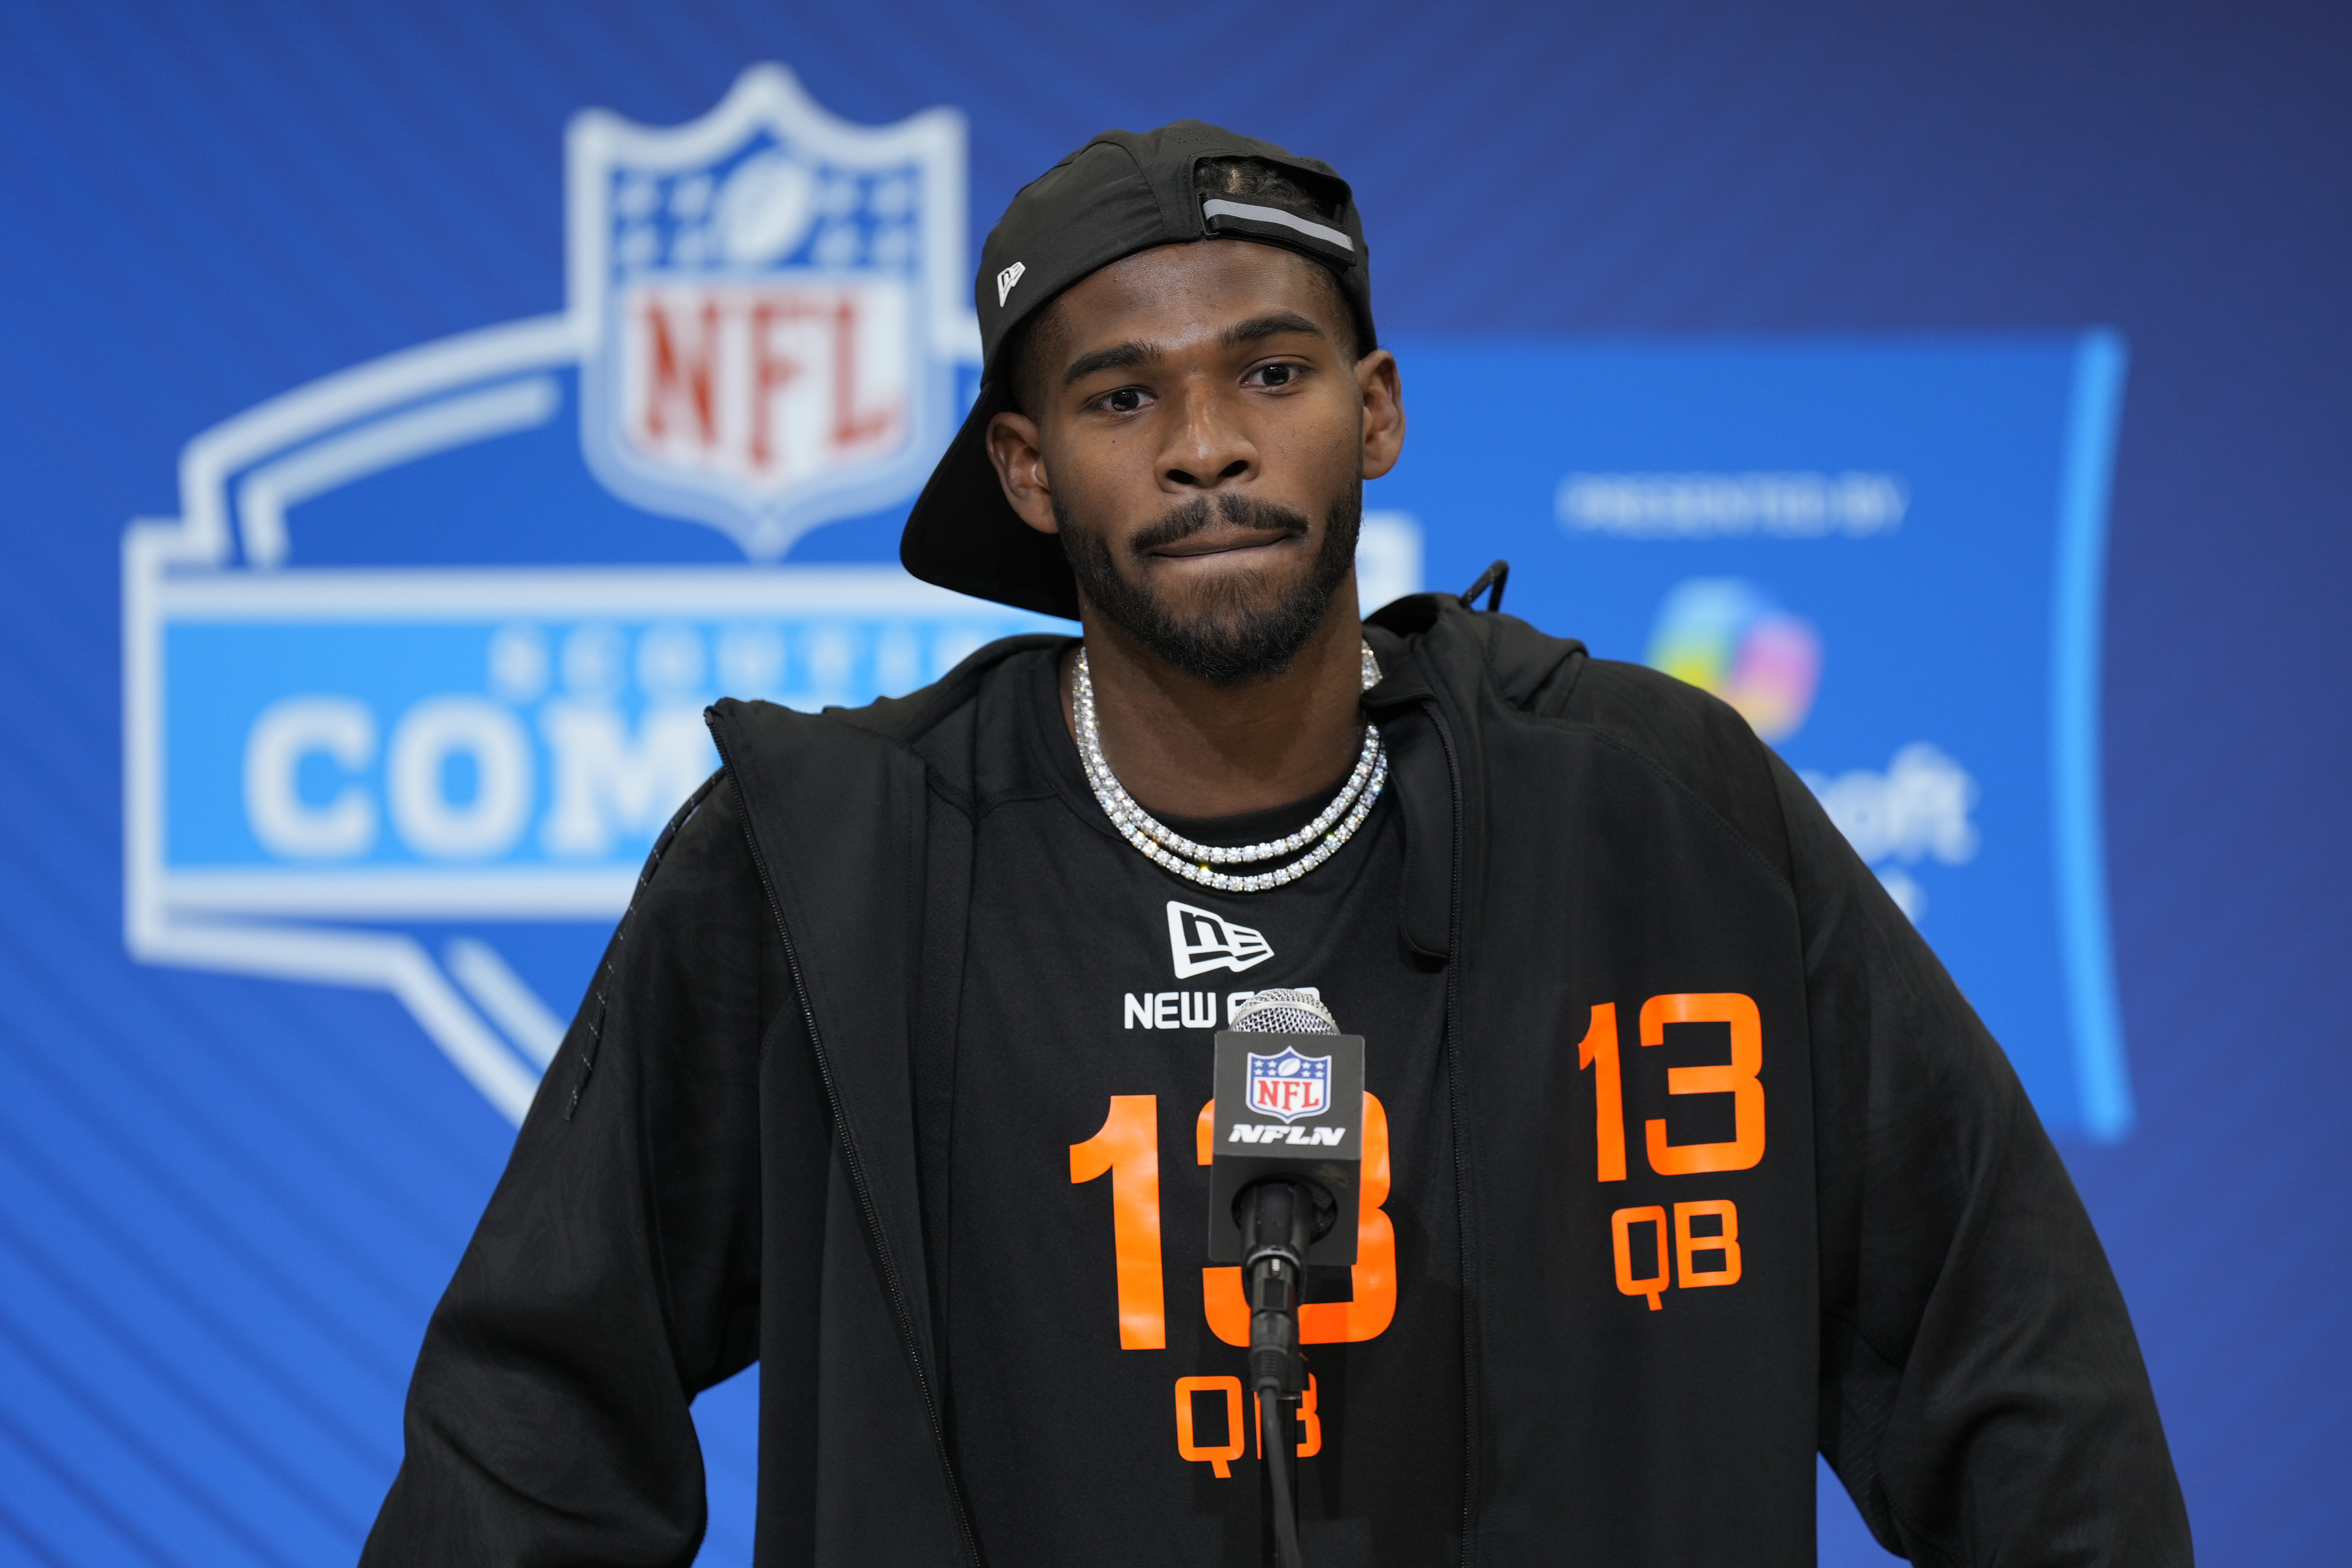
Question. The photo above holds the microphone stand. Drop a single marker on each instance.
(1278, 1221)
(1280, 1213)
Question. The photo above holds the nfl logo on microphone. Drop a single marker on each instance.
(1289, 1085)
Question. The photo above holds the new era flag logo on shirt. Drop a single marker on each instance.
(1199, 942)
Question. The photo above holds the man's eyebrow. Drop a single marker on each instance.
(1259, 328)
(1125, 356)
(1133, 352)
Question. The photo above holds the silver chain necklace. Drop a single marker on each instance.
(1202, 863)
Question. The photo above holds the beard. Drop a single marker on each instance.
(1242, 628)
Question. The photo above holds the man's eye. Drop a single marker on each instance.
(1126, 400)
(1277, 375)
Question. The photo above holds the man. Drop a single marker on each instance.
(1684, 1158)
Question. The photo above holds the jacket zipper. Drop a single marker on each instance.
(900, 1310)
(1453, 960)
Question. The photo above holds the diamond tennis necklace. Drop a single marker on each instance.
(1204, 863)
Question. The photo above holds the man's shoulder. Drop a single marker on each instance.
(931, 728)
(909, 719)
(1529, 672)
(1510, 671)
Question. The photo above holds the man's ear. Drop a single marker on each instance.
(1378, 384)
(1014, 448)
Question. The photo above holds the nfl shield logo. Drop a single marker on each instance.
(1289, 1085)
(771, 302)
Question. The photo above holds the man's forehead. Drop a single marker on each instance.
(1176, 294)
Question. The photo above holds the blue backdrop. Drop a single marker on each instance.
(1786, 348)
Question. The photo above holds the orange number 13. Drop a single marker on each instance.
(1738, 1078)
(1128, 1148)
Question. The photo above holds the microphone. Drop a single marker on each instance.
(1286, 1158)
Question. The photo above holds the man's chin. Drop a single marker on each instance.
(1227, 639)
(1238, 607)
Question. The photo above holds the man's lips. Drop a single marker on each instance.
(1222, 542)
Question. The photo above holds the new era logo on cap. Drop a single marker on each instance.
(1006, 280)
(1200, 942)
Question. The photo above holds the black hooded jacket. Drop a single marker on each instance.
(726, 1161)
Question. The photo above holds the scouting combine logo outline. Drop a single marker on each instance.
(342, 767)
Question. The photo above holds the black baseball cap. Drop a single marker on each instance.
(1121, 193)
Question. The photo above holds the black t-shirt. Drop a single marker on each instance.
(1088, 1353)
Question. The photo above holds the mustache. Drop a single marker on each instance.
(1191, 517)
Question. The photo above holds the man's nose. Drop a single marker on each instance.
(1206, 450)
